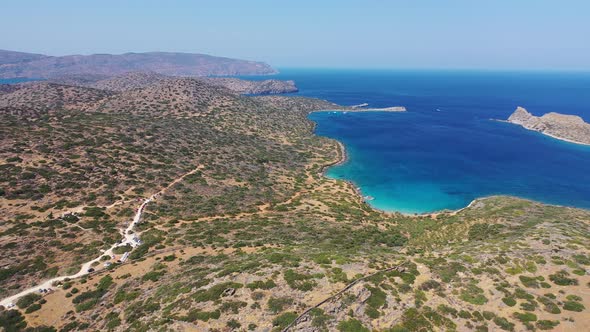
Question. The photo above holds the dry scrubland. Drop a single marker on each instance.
(256, 235)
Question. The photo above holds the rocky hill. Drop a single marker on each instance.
(39, 98)
(136, 80)
(571, 128)
(166, 63)
(265, 87)
(178, 95)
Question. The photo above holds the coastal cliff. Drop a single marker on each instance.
(571, 128)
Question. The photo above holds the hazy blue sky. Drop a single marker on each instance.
(370, 33)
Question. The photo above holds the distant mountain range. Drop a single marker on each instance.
(17, 64)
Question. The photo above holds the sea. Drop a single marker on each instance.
(448, 149)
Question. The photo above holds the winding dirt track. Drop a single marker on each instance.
(128, 239)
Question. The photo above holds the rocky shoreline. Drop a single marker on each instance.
(569, 128)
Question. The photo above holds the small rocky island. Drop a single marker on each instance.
(571, 128)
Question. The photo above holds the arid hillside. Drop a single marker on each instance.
(239, 229)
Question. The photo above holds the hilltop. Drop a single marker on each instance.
(38, 98)
(254, 87)
(16, 64)
(571, 128)
(137, 80)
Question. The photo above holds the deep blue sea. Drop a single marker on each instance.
(445, 151)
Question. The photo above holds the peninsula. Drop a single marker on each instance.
(570, 128)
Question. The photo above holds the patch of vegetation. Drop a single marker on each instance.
(352, 325)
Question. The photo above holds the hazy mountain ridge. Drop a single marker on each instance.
(13, 57)
(15, 65)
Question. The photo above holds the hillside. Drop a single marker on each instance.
(138, 80)
(38, 98)
(254, 87)
(186, 96)
(166, 63)
(570, 128)
(245, 232)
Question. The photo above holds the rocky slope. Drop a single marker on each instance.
(35, 99)
(265, 87)
(571, 128)
(137, 80)
(167, 63)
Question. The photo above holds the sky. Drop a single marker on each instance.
(447, 34)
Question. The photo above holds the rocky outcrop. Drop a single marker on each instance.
(14, 64)
(571, 128)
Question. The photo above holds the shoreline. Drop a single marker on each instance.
(544, 133)
(343, 157)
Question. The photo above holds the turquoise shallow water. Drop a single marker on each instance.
(445, 151)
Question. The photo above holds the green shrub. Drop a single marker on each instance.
(319, 318)
(195, 315)
(33, 307)
(283, 320)
(525, 317)
(561, 278)
(573, 306)
(278, 304)
(299, 281)
(215, 292)
(547, 324)
(473, 295)
(27, 300)
(259, 284)
(233, 324)
(352, 325)
(503, 323)
(509, 301)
